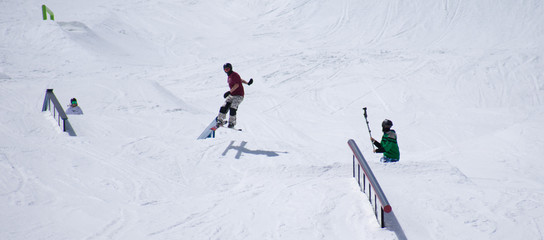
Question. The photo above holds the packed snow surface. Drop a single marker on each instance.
(462, 81)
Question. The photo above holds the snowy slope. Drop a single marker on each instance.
(462, 81)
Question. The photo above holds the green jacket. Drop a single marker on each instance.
(389, 146)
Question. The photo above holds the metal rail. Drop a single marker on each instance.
(377, 197)
(58, 112)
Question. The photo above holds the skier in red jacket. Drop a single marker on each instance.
(233, 97)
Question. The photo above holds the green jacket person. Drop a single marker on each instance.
(388, 146)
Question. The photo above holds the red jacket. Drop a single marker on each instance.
(234, 78)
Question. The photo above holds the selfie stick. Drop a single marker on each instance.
(366, 119)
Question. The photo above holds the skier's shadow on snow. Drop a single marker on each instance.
(242, 149)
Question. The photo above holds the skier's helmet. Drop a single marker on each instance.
(387, 123)
(73, 101)
(227, 65)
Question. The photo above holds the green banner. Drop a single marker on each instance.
(45, 11)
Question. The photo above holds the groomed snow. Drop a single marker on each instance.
(462, 81)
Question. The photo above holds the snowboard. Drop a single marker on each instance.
(218, 126)
(209, 131)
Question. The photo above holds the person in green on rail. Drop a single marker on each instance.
(388, 146)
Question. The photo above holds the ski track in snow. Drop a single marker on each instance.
(12, 180)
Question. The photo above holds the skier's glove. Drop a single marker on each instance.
(226, 94)
(250, 81)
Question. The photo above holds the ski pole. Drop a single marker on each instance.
(367, 126)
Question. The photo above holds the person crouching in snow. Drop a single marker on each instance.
(388, 146)
(233, 97)
(73, 108)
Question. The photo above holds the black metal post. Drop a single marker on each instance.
(382, 224)
(358, 177)
(353, 167)
(364, 183)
